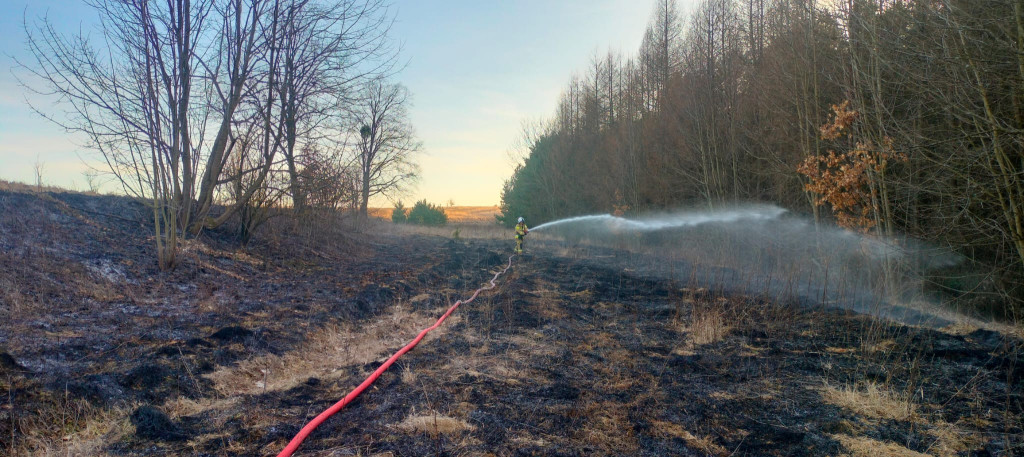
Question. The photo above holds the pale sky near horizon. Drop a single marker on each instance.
(476, 70)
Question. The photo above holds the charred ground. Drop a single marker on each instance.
(573, 354)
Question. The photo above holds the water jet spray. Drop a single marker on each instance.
(767, 250)
(668, 221)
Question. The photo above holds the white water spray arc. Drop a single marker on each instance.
(667, 221)
(763, 249)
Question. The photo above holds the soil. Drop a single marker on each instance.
(575, 353)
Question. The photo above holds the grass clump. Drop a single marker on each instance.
(872, 401)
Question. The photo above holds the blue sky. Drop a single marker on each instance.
(477, 70)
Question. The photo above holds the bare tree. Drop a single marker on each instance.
(92, 180)
(231, 70)
(254, 195)
(386, 143)
(38, 169)
(660, 48)
(162, 74)
(132, 95)
(327, 51)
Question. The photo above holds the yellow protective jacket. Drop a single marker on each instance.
(521, 230)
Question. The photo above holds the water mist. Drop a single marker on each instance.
(764, 249)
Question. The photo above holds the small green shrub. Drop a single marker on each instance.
(398, 215)
(424, 213)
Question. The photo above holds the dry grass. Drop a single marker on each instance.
(616, 374)
(472, 214)
(874, 345)
(456, 214)
(30, 290)
(460, 231)
(434, 424)
(183, 407)
(508, 369)
(551, 301)
(607, 424)
(470, 228)
(951, 440)
(708, 325)
(72, 428)
(323, 354)
(866, 447)
(12, 301)
(674, 430)
(961, 328)
(872, 401)
(32, 188)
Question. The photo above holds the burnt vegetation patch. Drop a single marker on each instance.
(559, 363)
(573, 354)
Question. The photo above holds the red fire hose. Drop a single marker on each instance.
(293, 445)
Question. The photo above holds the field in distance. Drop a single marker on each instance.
(456, 214)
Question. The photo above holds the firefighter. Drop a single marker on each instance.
(521, 231)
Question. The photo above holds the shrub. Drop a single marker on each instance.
(398, 214)
(424, 213)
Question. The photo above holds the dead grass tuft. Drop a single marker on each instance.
(71, 427)
(607, 425)
(14, 186)
(323, 354)
(951, 440)
(884, 346)
(434, 424)
(861, 446)
(708, 325)
(463, 231)
(182, 406)
(960, 328)
(674, 430)
(550, 303)
(872, 401)
(12, 301)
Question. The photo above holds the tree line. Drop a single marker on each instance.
(222, 110)
(893, 117)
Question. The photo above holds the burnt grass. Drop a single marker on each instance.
(570, 355)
